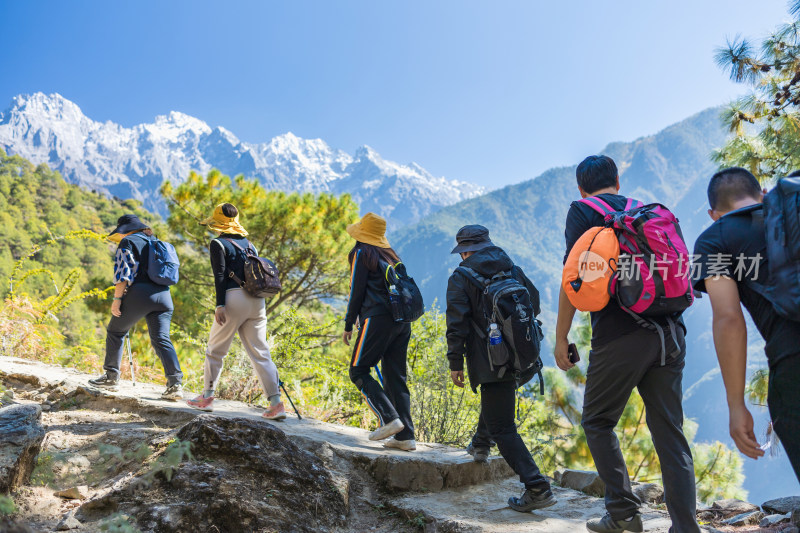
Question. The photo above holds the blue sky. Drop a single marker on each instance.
(490, 92)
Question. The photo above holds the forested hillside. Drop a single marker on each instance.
(52, 246)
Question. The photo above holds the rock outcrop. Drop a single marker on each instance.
(781, 505)
(245, 475)
(21, 436)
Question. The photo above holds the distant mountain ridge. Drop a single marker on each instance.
(133, 162)
(527, 219)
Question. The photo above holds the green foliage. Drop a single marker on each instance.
(766, 121)
(758, 387)
(7, 506)
(165, 464)
(718, 471)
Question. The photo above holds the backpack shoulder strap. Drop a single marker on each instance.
(234, 244)
(249, 248)
(474, 277)
(598, 204)
(632, 204)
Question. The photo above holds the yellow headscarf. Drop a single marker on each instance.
(219, 222)
(117, 237)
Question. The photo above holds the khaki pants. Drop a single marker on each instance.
(247, 316)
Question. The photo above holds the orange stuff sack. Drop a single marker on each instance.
(589, 268)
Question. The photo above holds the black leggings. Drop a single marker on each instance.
(381, 339)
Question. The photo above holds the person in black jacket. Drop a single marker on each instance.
(237, 311)
(496, 422)
(380, 338)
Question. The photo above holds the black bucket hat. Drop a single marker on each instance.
(471, 239)
(127, 224)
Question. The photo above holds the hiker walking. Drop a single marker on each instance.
(237, 311)
(738, 262)
(631, 350)
(139, 293)
(380, 338)
(470, 333)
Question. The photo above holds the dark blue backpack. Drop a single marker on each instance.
(162, 263)
(782, 222)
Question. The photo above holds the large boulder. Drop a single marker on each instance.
(781, 505)
(583, 480)
(21, 437)
(246, 475)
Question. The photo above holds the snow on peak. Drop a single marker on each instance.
(134, 162)
(175, 125)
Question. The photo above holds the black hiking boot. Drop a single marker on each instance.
(105, 382)
(532, 499)
(479, 455)
(609, 525)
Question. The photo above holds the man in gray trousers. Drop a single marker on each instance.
(625, 356)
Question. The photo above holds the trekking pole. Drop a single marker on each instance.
(380, 376)
(130, 355)
(280, 383)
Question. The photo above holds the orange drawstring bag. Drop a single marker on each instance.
(589, 268)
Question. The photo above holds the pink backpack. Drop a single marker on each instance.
(652, 276)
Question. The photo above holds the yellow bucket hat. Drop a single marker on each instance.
(219, 222)
(371, 229)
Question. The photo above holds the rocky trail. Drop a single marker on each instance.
(78, 458)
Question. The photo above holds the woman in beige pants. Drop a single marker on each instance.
(237, 312)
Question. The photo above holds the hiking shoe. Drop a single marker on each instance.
(479, 455)
(609, 525)
(532, 499)
(387, 430)
(276, 412)
(105, 382)
(406, 445)
(202, 403)
(173, 393)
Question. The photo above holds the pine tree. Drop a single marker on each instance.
(766, 121)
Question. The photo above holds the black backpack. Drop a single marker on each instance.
(509, 304)
(405, 298)
(781, 211)
(260, 275)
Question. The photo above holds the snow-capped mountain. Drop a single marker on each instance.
(133, 162)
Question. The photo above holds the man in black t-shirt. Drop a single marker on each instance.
(625, 356)
(730, 257)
